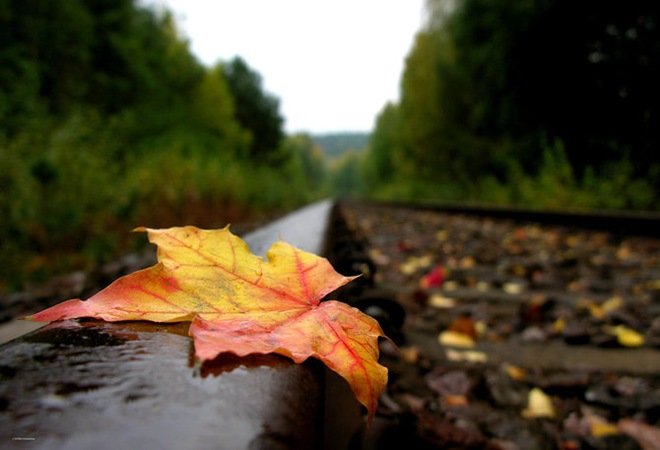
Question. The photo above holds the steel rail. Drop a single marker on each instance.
(634, 223)
(92, 384)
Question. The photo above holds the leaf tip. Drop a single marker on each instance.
(69, 309)
(353, 277)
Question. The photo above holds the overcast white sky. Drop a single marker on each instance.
(332, 63)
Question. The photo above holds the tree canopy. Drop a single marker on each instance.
(108, 121)
(491, 86)
(256, 110)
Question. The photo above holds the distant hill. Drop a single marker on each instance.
(335, 144)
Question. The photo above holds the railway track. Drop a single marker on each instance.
(568, 304)
(539, 301)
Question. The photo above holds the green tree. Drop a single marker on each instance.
(107, 121)
(213, 109)
(489, 82)
(310, 159)
(45, 52)
(256, 110)
(346, 178)
(384, 146)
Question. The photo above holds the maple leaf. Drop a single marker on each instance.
(241, 303)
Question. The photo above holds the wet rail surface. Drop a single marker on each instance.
(82, 384)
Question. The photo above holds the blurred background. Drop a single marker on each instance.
(118, 113)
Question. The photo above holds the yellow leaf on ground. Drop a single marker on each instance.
(539, 405)
(471, 356)
(559, 325)
(410, 354)
(612, 304)
(455, 339)
(602, 429)
(626, 336)
(441, 302)
(515, 372)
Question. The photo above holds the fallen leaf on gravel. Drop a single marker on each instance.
(455, 339)
(559, 325)
(480, 327)
(653, 285)
(467, 262)
(441, 235)
(539, 405)
(513, 288)
(572, 241)
(515, 372)
(441, 302)
(433, 279)
(464, 324)
(612, 304)
(415, 263)
(589, 425)
(410, 354)
(378, 257)
(452, 401)
(623, 253)
(601, 428)
(625, 336)
(407, 268)
(470, 356)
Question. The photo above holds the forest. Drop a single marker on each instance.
(334, 145)
(537, 103)
(108, 122)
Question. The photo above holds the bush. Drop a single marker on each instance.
(72, 190)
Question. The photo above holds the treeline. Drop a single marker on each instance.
(336, 144)
(542, 103)
(107, 121)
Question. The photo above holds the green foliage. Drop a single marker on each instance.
(107, 122)
(62, 196)
(378, 167)
(256, 111)
(556, 186)
(309, 159)
(197, 181)
(489, 82)
(212, 109)
(55, 195)
(346, 174)
(335, 144)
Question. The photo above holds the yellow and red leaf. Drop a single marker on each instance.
(241, 303)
